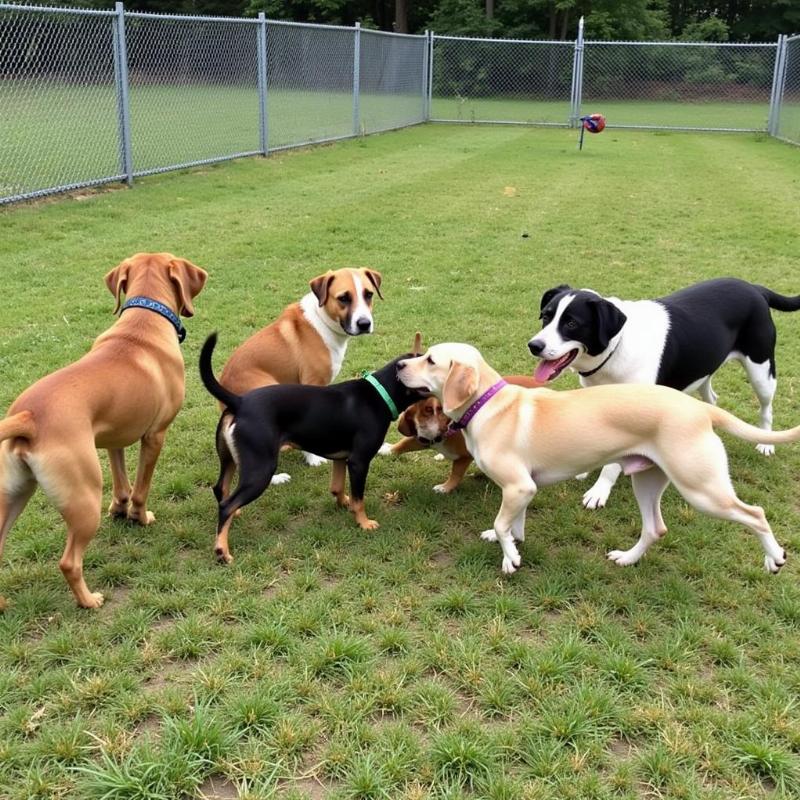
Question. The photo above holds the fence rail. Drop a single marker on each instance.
(94, 96)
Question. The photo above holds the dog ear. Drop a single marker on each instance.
(189, 281)
(461, 383)
(321, 285)
(609, 322)
(374, 278)
(417, 347)
(551, 293)
(407, 424)
(117, 282)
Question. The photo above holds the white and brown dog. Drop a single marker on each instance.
(308, 342)
(526, 438)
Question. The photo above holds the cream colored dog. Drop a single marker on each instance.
(526, 438)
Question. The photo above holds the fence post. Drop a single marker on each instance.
(263, 120)
(425, 113)
(776, 97)
(121, 83)
(577, 78)
(357, 80)
(430, 76)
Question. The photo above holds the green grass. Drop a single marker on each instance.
(328, 662)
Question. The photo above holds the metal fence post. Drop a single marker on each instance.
(577, 78)
(776, 97)
(357, 80)
(430, 76)
(263, 119)
(123, 102)
(425, 112)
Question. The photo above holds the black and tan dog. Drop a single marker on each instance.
(345, 422)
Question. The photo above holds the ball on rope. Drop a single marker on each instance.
(594, 123)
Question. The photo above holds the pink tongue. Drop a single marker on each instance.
(545, 370)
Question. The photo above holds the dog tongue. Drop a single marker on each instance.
(545, 370)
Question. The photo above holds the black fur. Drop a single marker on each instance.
(347, 421)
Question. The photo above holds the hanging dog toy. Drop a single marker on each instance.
(594, 123)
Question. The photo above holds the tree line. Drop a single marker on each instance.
(689, 20)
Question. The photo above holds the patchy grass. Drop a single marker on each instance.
(328, 662)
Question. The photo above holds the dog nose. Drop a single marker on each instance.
(536, 347)
(364, 324)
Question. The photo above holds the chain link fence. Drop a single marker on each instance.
(787, 115)
(89, 97)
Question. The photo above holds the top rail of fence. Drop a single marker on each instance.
(87, 12)
(675, 43)
(190, 17)
(793, 38)
(392, 33)
(570, 42)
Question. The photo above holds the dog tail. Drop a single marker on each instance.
(222, 394)
(750, 433)
(778, 301)
(20, 425)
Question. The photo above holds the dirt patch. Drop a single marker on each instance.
(217, 788)
(621, 749)
(313, 788)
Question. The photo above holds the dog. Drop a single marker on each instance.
(127, 388)
(425, 425)
(679, 340)
(527, 438)
(345, 422)
(308, 341)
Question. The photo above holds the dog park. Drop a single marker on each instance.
(327, 660)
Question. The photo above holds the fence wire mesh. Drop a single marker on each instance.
(501, 80)
(309, 83)
(678, 85)
(58, 106)
(193, 90)
(392, 81)
(788, 126)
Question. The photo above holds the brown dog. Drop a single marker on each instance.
(127, 388)
(426, 425)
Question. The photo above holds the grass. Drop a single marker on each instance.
(326, 662)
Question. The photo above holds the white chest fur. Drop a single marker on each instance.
(331, 333)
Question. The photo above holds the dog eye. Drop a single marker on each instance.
(344, 298)
(367, 295)
(571, 325)
(430, 361)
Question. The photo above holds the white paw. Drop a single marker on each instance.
(597, 496)
(280, 477)
(385, 449)
(510, 564)
(314, 461)
(774, 565)
(581, 476)
(622, 558)
(766, 449)
(439, 457)
(489, 536)
(441, 488)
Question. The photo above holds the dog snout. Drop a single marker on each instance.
(364, 324)
(536, 347)
(401, 365)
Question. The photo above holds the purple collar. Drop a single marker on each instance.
(475, 408)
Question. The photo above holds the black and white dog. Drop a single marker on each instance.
(679, 341)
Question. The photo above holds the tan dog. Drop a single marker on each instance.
(127, 388)
(425, 425)
(308, 342)
(526, 438)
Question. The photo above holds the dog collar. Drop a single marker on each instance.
(598, 368)
(159, 308)
(379, 388)
(476, 407)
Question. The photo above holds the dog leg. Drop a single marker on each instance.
(648, 486)
(459, 467)
(358, 467)
(707, 393)
(11, 505)
(597, 496)
(408, 444)
(516, 497)
(764, 384)
(121, 486)
(150, 449)
(314, 460)
(338, 473)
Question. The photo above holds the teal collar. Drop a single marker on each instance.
(371, 379)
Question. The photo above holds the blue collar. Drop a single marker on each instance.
(159, 308)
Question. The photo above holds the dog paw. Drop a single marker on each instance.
(439, 457)
(369, 525)
(223, 556)
(313, 460)
(442, 488)
(118, 509)
(581, 476)
(95, 600)
(136, 516)
(489, 536)
(596, 497)
(622, 558)
(280, 477)
(510, 564)
(766, 449)
(773, 565)
(385, 449)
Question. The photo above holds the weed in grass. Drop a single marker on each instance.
(465, 756)
(766, 760)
